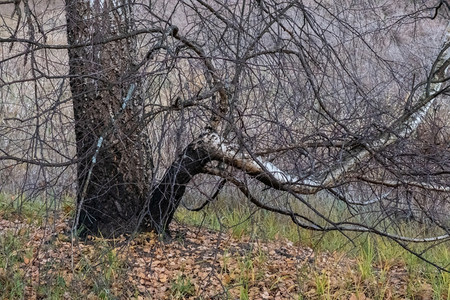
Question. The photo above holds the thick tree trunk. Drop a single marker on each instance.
(114, 164)
(112, 196)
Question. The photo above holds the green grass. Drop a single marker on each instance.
(96, 271)
(36, 210)
(182, 287)
(99, 271)
(12, 253)
(374, 255)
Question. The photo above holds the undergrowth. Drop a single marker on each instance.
(375, 256)
(101, 269)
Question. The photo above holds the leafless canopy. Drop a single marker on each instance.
(305, 107)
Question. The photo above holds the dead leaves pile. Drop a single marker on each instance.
(195, 264)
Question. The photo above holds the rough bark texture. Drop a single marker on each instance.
(111, 198)
(167, 195)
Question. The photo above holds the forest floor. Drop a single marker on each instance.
(42, 262)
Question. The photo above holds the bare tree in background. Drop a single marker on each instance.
(340, 101)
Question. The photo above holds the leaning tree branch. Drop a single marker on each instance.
(403, 127)
(371, 201)
(334, 226)
(306, 223)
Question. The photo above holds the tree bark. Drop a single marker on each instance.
(166, 197)
(114, 164)
(111, 187)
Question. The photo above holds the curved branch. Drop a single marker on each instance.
(341, 226)
(271, 175)
(244, 190)
(358, 203)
